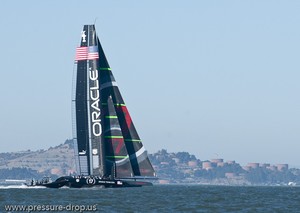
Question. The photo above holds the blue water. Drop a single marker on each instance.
(159, 198)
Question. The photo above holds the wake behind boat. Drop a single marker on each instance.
(108, 150)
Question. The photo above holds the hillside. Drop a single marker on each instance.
(180, 167)
(55, 161)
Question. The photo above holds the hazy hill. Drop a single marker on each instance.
(54, 161)
(180, 167)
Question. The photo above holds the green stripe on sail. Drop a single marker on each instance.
(133, 140)
(113, 136)
(111, 116)
(119, 104)
(118, 156)
(105, 68)
(105, 104)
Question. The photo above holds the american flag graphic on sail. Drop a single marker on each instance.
(86, 53)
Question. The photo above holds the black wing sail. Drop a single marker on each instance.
(86, 105)
(135, 152)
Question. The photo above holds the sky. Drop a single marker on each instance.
(218, 79)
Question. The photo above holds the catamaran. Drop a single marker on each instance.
(108, 150)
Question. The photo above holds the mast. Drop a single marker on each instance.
(79, 107)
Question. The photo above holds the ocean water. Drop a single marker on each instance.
(158, 198)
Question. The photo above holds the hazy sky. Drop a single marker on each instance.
(219, 79)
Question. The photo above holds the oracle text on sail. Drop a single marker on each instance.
(95, 105)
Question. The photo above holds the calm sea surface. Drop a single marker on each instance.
(159, 198)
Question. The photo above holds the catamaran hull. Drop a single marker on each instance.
(87, 182)
(91, 181)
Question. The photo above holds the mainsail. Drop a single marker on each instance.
(106, 141)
